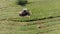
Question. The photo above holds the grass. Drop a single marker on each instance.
(12, 23)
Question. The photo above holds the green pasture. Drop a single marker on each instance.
(12, 23)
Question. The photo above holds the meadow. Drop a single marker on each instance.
(45, 14)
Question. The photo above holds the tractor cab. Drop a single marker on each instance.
(24, 12)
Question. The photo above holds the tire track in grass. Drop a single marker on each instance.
(34, 20)
(51, 17)
(42, 20)
(48, 25)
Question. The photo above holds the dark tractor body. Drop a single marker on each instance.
(24, 13)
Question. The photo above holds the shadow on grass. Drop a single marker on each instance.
(25, 3)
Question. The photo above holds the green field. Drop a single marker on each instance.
(45, 13)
